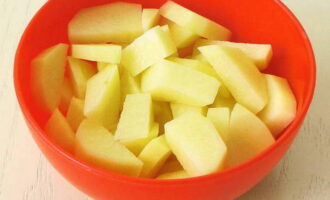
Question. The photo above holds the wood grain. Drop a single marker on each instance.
(304, 173)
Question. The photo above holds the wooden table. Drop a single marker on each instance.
(304, 174)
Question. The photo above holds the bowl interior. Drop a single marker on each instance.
(254, 21)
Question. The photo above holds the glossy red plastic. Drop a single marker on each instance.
(255, 21)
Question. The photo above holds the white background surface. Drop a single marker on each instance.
(304, 174)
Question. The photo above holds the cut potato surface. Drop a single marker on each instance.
(174, 175)
(220, 118)
(66, 95)
(108, 53)
(239, 74)
(96, 145)
(101, 65)
(129, 84)
(208, 69)
(118, 22)
(162, 114)
(154, 156)
(282, 105)
(75, 113)
(196, 143)
(136, 145)
(179, 109)
(60, 131)
(171, 166)
(148, 49)
(136, 118)
(247, 137)
(102, 102)
(260, 54)
(204, 67)
(221, 101)
(168, 81)
(194, 22)
(47, 74)
(80, 71)
(181, 36)
(150, 18)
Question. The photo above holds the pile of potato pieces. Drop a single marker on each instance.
(164, 97)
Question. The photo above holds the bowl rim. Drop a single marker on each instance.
(124, 178)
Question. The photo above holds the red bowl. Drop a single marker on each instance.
(255, 21)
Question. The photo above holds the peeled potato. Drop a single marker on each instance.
(247, 137)
(96, 145)
(47, 74)
(239, 74)
(60, 131)
(118, 22)
(282, 105)
(260, 54)
(148, 49)
(102, 102)
(136, 119)
(188, 86)
(150, 18)
(75, 113)
(194, 22)
(154, 156)
(66, 95)
(196, 143)
(108, 53)
(179, 109)
(80, 72)
(220, 118)
(181, 36)
(137, 145)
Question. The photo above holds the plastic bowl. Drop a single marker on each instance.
(256, 21)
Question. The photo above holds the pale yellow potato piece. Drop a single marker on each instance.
(80, 71)
(47, 74)
(204, 67)
(179, 109)
(75, 113)
(150, 18)
(60, 131)
(194, 22)
(136, 118)
(108, 53)
(148, 49)
(241, 77)
(136, 145)
(221, 101)
(102, 102)
(101, 65)
(128, 84)
(220, 118)
(174, 175)
(168, 81)
(260, 54)
(170, 166)
(162, 114)
(118, 22)
(182, 37)
(66, 95)
(247, 137)
(154, 156)
(282, 106)
(196, 143)
(208, 69)
(97, 146)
